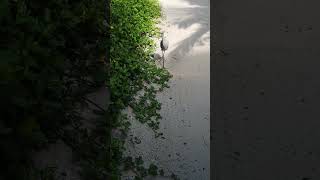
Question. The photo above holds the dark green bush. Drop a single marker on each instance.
(52, 53)
(48, 51)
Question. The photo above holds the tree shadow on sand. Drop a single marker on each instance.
(199, 14)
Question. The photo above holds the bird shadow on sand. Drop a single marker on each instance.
(197, 15)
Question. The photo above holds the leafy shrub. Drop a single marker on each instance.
(134, 77)
(49, 50)
(132, 26)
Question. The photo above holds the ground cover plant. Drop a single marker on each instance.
(134, 77)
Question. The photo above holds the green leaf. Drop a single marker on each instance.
(153, 170)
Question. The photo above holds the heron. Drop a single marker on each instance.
(164, 44)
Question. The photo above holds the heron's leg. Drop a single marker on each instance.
(162, 59)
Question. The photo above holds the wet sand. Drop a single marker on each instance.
(266, 90)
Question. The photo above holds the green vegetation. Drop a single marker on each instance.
(132, 69)
(134, 77)
(51, 54)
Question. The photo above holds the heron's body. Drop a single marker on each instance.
(164, 44)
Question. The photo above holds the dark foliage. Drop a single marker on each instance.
(52, 53)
